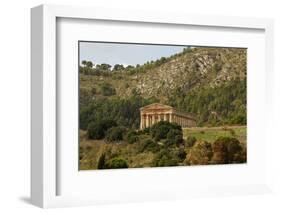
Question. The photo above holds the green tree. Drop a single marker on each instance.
(107, 90)
(89, 64)
(118, 67)
(84, 63)
(115, 134)
(148, 145)
(228, 150)
(97, 130)
(103, 67)
(167, 157)
(160, 130)
(117, 163)
(175, 136)
(132, 136)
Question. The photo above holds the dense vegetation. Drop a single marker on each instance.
(217, 106)
(125, 112)
(173, 148)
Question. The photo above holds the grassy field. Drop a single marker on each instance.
(210, 134)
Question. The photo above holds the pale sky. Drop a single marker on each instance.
(127, 54)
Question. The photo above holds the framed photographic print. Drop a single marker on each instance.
(130, 106)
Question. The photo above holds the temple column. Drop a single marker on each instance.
(170, 118)
(146, 121)
(141, 121)
(153, 119)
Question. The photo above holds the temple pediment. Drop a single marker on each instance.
(156, 106)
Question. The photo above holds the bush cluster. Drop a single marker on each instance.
(116, 163)
(161, 130)
(224, 150)
(132, 136)
(228, 150)
(169, 157)
(97, 130)
(107, 90)
(113, 163)
(149, 145)
(115, 134)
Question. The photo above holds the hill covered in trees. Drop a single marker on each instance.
(208, 82)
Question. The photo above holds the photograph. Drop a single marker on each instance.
(161, 105)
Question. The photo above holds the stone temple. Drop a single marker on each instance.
(156, 112)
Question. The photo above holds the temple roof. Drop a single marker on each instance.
(156, 106)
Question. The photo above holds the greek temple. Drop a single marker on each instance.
(156, 112)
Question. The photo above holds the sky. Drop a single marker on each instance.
(126, 54)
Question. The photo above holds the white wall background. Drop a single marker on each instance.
(15, 104)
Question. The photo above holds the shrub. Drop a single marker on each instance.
(161, 132)
(181, 153)
(116, 163)
(132, 136)
(161, 129)
(97, 130)
(115, 134)
(149, 145)
(107, 90)
(227, 150)
(174, 137)
(200, 154)
(166, 157)
(190, 141)
(173, 133)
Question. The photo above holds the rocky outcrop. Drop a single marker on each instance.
(198, 67)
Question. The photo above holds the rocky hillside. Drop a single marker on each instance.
(200, 67)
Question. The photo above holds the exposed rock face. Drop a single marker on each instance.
(199, 67)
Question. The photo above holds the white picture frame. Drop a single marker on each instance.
(44, 154)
